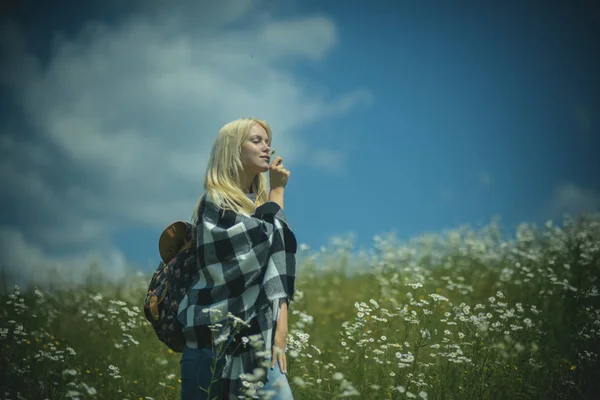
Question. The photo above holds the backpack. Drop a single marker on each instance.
(170, 282)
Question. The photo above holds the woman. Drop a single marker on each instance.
(246, 266)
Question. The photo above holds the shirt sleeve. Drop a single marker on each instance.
(269, 212)
(232, 234)
(287, 300)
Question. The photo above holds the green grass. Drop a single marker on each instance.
(457, 316)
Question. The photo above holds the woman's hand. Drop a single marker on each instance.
(279, 349)
(278, 352)
(278, 175)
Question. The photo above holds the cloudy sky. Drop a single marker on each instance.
(410, 118)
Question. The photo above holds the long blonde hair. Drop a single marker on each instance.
(223, 177)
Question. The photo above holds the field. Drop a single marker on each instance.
(462, 315)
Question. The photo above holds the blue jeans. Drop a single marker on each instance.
(196, 372)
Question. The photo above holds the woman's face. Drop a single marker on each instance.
(256, 150)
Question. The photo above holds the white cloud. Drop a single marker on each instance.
(34, 262)
(329, 161)
(121, 117)
(574, 200)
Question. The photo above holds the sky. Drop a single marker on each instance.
(408, 117)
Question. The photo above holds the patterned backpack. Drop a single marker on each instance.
(170, 283)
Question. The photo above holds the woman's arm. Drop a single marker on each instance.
(276, 195)
(283, 317)
(281, 331)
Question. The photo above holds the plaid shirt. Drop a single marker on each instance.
(247, 267)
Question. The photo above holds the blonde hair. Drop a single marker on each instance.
(223, 177)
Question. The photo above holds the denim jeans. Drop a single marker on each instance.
(196, 372)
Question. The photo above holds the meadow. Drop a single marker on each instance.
(460, 315)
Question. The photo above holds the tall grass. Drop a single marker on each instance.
(463, 315)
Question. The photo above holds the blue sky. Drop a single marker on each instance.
(414, 117)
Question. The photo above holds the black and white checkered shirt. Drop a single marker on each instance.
(247, 267)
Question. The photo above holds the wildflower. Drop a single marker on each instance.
(90, 390)
(71, 372)
(415, 285)
(347, 389)
(437, 297)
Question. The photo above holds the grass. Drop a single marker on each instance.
(464, 315)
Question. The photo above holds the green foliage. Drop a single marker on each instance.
(459, 316)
